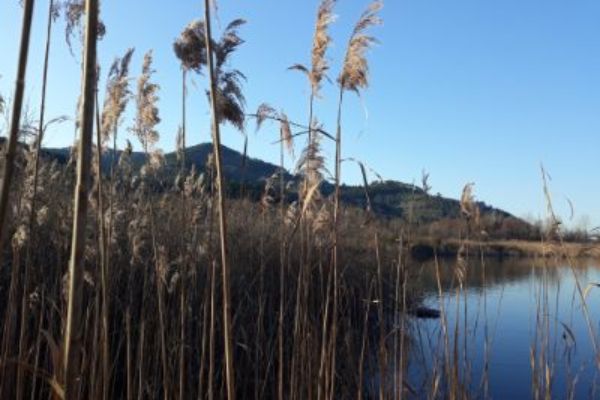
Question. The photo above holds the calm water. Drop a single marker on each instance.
(512, 308)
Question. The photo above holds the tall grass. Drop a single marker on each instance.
(177, 291)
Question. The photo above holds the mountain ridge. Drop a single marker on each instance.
(389, 199)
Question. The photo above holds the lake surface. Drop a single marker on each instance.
(515, 323)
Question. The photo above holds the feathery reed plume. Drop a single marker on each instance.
(321, 42)
(229, 96)
(467, 201)
(355, 71)
(74, 11)
(15, 122)
(191, 49)
(73, 328)
(319, 65)
(190, 46)
(147, 112)
(117, 95)
(286, 133)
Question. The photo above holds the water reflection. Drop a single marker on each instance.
(517, 329)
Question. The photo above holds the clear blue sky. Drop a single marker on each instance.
(470, 90)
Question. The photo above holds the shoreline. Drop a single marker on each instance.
(426, 248)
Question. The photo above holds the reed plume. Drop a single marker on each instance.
(321, 42)
(319, 64)
(467, 201)
(229, 95)
(355, 71)
(117, 95)
(190, 47)
(147, 116)
(74, 11)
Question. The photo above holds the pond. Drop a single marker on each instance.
(516, 329)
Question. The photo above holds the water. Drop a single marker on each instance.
(518, 310)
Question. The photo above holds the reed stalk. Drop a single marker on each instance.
(73, 331)
(216, 136)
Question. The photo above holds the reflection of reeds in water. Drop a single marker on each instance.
(556, 370)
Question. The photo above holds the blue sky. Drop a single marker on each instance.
(471, 91)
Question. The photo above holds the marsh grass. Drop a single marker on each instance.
(175, 291)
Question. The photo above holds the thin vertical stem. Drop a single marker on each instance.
(280, 340)
(103, 261)
(183, 116)
(227, 336)
(32, 213)
(73, 329)
(336, 216)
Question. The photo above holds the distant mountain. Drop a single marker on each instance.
(390, 199)
(255, 170)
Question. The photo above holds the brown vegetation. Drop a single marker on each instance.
(136, 284)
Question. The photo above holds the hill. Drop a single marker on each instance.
(390, 199)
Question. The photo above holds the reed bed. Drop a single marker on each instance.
(134, 282)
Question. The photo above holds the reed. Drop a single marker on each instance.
(73, 325)
(178, 287)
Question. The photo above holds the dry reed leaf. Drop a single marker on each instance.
(588, 288)
(569, 332)
(264, 112)
(56, 356)
(147, 116)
